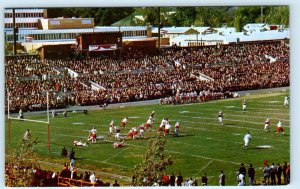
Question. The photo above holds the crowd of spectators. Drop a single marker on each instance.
(276, 174)
(173, 72)
(38, 176)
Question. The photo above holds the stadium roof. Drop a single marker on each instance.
(179, 30)
(234, 37)
(251, 27)
(83, 30)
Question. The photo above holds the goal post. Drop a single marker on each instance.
(10, 119)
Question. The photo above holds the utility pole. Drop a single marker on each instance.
(158, 19)
(262, 13)
(14, 31)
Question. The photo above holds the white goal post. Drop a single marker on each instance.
(29, 120)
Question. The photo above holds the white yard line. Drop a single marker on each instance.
(226, 119)
(243, 115)
(203, 168)
(116, 154)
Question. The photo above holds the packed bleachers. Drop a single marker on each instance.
(171, 72)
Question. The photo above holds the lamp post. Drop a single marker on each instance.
(158, 16)
(14, 31)
(197, 39)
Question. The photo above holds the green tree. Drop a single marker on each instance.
(9, 48)
(245, 15)
(278, 15)
(155, 161)
(23, 157)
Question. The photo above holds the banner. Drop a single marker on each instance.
(106, 47)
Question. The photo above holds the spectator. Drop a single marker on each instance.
(279, 173)
(204, 180)
(251, 174)
(179, 179)
(172, 179)
(116, 183)
(222, 179)
(64, 152)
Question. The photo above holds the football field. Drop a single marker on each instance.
(202, 146)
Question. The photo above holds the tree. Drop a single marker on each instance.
(9, 48)
(245, 15)
(22, 161)
(155, 161)
(278, 15)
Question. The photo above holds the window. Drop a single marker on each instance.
(54, 22)
(86, 21)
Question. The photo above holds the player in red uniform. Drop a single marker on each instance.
(93, 133)
(167, 129)
(280, 128)
(124, 122)
(119, 144)
(132, 133)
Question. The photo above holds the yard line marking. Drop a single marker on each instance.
(78, 123)
(117, 165)
(134, 117)
(229, 109)
(203, 168)
(243, 115)
(116, 154)
(184, 111)
(234, 120)
(204, 157)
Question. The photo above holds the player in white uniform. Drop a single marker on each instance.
(53, 113)
(27, 134)
(118, 133)
(267, 125)
(247, 139)
(21, 114)
(286, 100)
(142, 131)
(177, 126)
(162, 125)
(149, 123)
(79, 143)
(220, 118)
(111, 128)
(244, 105)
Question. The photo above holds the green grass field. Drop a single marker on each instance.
(202, 147)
